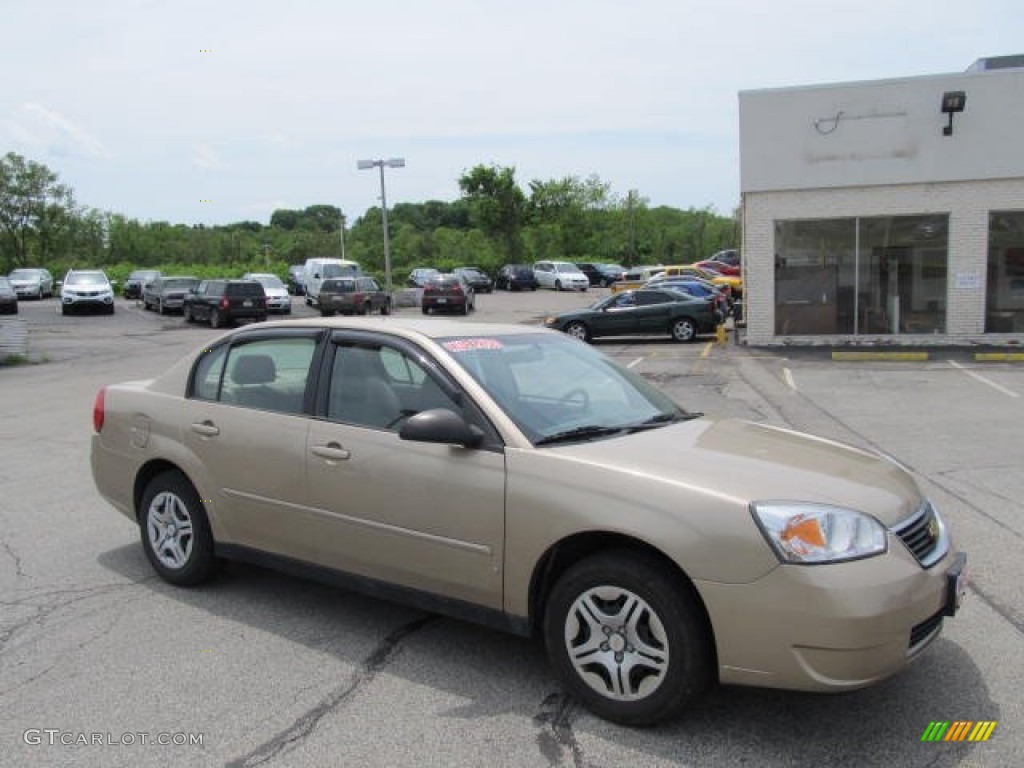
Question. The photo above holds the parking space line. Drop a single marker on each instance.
(788, 376)
(707, 349)
(983, 380)
(634, 362)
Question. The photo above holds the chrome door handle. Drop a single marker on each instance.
(332, 451)
(206, 428)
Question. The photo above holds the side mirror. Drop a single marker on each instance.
(440, 425)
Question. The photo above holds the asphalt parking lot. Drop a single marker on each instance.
(271, 670)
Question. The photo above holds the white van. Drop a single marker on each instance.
(316, 271)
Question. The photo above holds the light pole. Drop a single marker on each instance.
(391, 162)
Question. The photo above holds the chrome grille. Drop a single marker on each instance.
(924, 535)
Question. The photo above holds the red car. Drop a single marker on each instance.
(719, 267)
(447, 293)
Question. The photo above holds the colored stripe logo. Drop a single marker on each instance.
(959, 730)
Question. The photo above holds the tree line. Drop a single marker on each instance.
(494, 222)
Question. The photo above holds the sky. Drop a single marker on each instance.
(221, 111)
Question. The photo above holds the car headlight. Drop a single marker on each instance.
(808, 533)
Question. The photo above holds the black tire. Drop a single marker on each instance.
(186, 314)
(64, 309)
(558, 285)
(168, 504)
(214, 318)
(426, 310)
(683, 329)
(678, 662)
(160, 310)
(385, 308)
(365, 309)
(465, 307)
(326, 313)
(578, 330)
(110, 309)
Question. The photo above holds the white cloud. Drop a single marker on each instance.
(39, 129)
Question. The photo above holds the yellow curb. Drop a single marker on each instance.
(998, 357)
(916, 357)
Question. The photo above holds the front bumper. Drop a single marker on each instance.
(97, 299)
(279, 303)
(829, 627)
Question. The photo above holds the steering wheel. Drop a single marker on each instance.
(577, 395)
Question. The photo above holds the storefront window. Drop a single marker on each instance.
(882, 275)
(1004, 302)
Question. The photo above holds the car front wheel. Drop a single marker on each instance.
(683, 329)
(578, 331)
(175, 531)
(628, 638)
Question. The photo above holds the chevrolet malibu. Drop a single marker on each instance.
(656, 551)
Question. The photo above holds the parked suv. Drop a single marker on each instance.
(516, 277)
(137, 281)
(86, 289)
(224, 301)
(353, 296)
(601, 274)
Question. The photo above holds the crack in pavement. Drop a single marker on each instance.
(291, 736)
(555, 716)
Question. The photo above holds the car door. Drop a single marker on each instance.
(653, 311)
(617, 317)
(425, 516)
(246, 424)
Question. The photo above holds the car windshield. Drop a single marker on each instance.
(180, 283)
(557, 389)
(87, 278)
(338, 270)
(146, 274)
(24, 274)
(269, 281)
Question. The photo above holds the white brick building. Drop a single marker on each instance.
(866, 220)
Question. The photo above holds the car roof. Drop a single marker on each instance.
(429, 328)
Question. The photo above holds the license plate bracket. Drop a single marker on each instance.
(956, 585)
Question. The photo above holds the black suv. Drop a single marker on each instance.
(225, 301)
(480, 282)
(137, 280)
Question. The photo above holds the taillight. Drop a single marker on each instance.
(457, 290)
(98, 410)
(224, 303)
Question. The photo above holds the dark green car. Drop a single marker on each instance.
(640, 312)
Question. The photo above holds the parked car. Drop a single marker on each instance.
(419, 276)
(222, 302)
(642, 312)
(694, 286)
(86, 289)
(729, 256)
(718, 267)
(636, 277)
(296, 282)
(516, 277)
(137, 281)
(32, 283)
(477, 278)
(602, 275)
(447, 293)
(734, 283)
(167, 292)
(516, 477)
(8, 297)
(560, 276)
(315, 271)
(353, 296)
(276, 292)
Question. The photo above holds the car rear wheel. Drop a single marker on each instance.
(628, 637)
(578, 331)
(160, 309)
(175, 531)
(683, 330)
(385, 308)
(214, 318)
(558, 285)
(186, 314)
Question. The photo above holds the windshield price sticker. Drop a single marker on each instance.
(469, 345)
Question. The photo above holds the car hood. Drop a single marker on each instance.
(746, 462)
